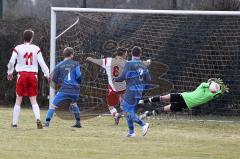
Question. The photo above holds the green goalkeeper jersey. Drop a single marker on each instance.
(199, 96)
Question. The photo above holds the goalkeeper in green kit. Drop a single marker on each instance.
(204, 93)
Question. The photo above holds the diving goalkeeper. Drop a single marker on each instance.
(187, 100)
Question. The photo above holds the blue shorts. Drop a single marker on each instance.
(129, 108)
(130, 101)
(62, 98)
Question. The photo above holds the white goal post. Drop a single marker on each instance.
(54, 11)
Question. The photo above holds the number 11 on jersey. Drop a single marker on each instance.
(28, 58)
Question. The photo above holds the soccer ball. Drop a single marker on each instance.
(214, 87)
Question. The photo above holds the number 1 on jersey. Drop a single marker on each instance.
(69, 76)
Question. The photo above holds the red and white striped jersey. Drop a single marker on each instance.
(28, 57)
(114, 68)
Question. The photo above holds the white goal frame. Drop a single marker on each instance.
(54, 10)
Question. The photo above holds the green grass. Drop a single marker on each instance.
(100, 139)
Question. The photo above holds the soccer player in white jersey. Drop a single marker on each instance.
(28, 57)
(114, 68)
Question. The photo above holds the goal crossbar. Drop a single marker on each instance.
(140, 11)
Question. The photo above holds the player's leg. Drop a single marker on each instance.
(140, 122)
(113, 99)
(174, 107)
(57, 101)
(76, 112)
(154, 99)
(16, 111)
(126, 108)
(113, 111)
(21, 87)
(166, 108)
(32, 88)
(165, 98)
(177, 104)
(64, 99)
(137, 120)
(115, 114)
(129, 119)
(36, 111)
(173, 98)
(49, 114)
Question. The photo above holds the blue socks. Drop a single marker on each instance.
(76, 112)
(49, 115)
(130, 125)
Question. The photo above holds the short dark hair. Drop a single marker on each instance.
(68, 51)
(136, 51)
(28, 35)
(121, 51)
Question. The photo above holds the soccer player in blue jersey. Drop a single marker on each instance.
(68, 75)
(137, 76)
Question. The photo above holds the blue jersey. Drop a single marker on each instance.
(68, 74)
(137, 76)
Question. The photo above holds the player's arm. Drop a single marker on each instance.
(123, 76)
(11, 64)
(147, 76)
(55, 75)
(43, 65)
(78, 74)
(96, 61)
(205, 84)
(54, 78)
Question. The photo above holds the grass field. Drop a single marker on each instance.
(100, 139)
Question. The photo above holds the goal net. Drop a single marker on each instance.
(186, 48)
